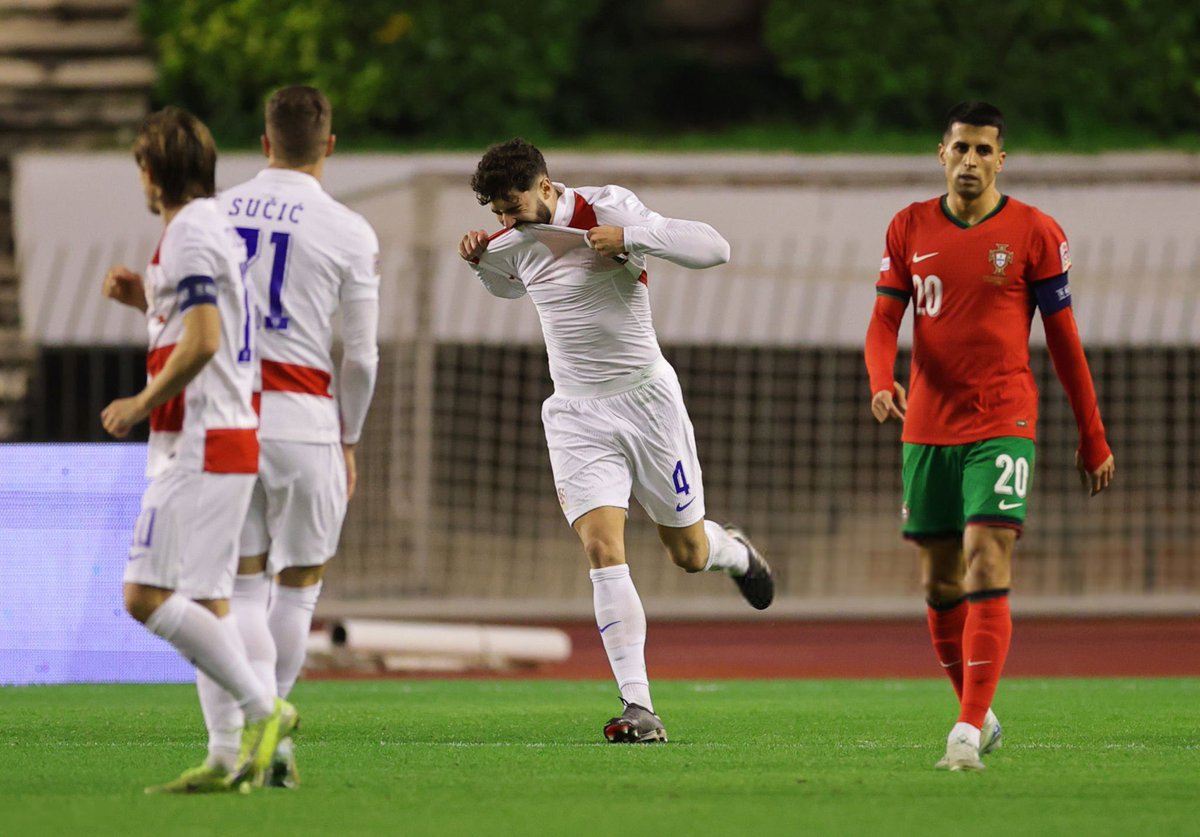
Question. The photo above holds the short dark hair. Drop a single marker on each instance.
(178, 151)
(507, 167)
(299, 120)
(975, 113)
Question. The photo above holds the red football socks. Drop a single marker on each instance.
(946, 623)
(986, 637)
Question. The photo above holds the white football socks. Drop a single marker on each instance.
(223, 719)
(214, 648)
(622, 624)
(725, 553)
(251, 599)
(222, 716)
(290, 620)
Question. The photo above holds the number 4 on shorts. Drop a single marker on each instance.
(681, 486)
(681, 483)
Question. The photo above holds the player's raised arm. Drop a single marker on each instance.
(496, 278)
(473, 245)
(628, 226)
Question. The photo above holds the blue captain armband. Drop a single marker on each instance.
(894, 293)
(197, 290)
(1053, 294)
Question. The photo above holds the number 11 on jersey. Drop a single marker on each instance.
(275, 320)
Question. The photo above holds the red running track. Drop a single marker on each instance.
(1144, 647)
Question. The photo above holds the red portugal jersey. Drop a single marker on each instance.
(973, 303)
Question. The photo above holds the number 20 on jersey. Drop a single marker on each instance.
(927, 295)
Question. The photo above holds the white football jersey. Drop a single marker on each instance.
(594, 310)
(308, 254)
(211, 425)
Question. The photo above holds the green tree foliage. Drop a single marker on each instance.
(1061, 66)
(442, 67)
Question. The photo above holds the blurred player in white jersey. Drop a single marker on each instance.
(308, 257)
(203, 451)
(616, 422)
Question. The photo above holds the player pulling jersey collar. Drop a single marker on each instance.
(564, 205)
(616, 423)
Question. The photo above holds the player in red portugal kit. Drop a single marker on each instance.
(975, 264)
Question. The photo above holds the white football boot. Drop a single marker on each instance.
(962, 750)
(991, 736)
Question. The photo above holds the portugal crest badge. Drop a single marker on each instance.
(1000, 257)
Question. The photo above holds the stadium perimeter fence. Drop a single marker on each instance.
(456, 513)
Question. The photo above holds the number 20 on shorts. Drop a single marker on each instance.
(1014, 475)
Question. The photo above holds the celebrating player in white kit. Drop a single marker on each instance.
(309, 257)
(203, 451)
(616, 422)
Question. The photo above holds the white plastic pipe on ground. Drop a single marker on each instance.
(486, 645)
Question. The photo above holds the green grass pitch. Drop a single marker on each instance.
(524, 758)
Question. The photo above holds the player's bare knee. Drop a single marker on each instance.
(602, 552)
(942, 570)
(252, 564)
(138, 608)
(988, 552)
(943, 584)
(141, 601)
(301, 576)
(689, 555)
(940, 591)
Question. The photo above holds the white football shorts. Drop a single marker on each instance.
(637, 439)
(185, 538)
(298, 505)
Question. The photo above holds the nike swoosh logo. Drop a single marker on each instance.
(609, 625)
(955, 663)
(680, 508)
(920, 257)
(1006, 506)
(978, 662)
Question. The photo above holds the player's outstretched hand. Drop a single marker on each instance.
(1099, 479)
(125, 286)
(473, 245)
(607, 241)
(120, 416)
(887, 405)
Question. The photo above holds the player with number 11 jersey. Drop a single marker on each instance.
(309, 259)
(307, 255)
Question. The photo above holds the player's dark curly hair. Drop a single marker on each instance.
(974, 113)
(507, 167)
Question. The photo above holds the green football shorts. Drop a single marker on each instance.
(948, 486)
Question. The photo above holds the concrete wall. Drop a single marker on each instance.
(806, 232)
